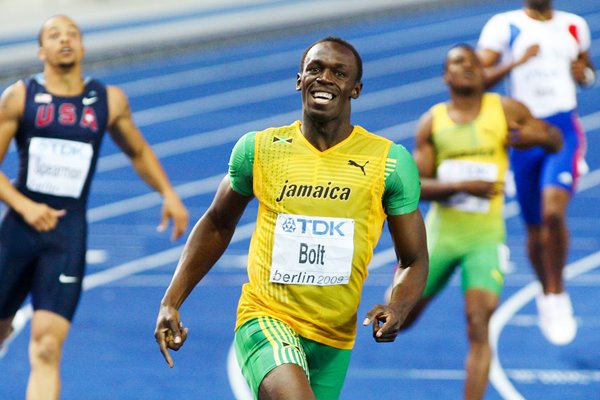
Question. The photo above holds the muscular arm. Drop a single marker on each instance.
(528, 131)
(38, 215)
(128, 137)
(208, 240)
(410, 243)
(11, 111)
(494, 71)
(432, 188)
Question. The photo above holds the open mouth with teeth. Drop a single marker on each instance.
(322, 97)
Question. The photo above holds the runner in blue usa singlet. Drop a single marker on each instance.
(58, 141)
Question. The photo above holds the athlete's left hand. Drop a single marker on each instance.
(578, 68)
(173, 209)
(169, 332)
(391, 322)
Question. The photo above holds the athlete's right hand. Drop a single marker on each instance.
(169, 332)
(40, 216)
(479, 188)
(530, 52)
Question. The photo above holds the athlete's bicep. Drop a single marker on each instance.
(488, 58)
(121, 127)
(227, 206)
(494, 38)
(12, 106)
(409, 237)
(424, 152)
(402, 184)
(241, 164)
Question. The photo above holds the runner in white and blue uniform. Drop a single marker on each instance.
(545, 53)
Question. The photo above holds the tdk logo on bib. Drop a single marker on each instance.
(319, 227)
(288, 226)
(327, 227)
(64, 148)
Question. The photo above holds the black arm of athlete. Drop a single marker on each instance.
(410, 243)
(206, 243)
(528, 131)
(130, 140)
(583, 70)
(494, 71)
(39, 216)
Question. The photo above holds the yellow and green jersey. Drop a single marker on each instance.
(471, 151)
(320, 216)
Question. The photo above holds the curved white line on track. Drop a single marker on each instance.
(237, 382)
(510, 307)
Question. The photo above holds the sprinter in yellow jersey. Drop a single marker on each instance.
(461, 154)
(324, 189)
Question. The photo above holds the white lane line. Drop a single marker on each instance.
(152, 199)
(523, 376)
(237, 382)
(554, 376)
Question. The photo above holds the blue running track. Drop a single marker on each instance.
(192, 108)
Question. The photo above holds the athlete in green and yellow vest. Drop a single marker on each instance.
(475, 150)
(469, 151)
(461, 153)
(308, 259)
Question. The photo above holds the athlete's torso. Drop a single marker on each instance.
(544, 83)
(320, 216)
(471, 151)
(58, 141)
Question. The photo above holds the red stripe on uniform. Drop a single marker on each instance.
(573, 32)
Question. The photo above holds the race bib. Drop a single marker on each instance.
(312, 250)
(58, 167)
(458, 170)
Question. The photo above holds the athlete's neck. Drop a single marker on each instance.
(324, 135)
(544, 14)
(64, 82)
(463, 109)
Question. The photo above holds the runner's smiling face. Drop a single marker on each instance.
(328, 81)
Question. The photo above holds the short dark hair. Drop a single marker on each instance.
(359, 62)
(41, 31)
(461, 45)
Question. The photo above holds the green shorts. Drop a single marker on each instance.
(481, 267)
(264, 343)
